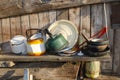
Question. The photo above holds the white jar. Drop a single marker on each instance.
(18, 44)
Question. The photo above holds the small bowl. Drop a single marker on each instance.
(98, 42)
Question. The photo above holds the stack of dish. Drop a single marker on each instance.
(96, 47)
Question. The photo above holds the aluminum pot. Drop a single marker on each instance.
(18, 44)
(35, 43)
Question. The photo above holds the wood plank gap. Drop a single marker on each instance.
(1, 32)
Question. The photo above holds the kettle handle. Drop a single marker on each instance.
(28, 32)
(48, 32)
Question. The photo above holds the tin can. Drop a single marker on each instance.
(36, 47)
(92, 69)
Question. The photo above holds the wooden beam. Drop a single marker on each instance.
(20, 7)
(51, 58)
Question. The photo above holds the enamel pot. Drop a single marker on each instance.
(18, 44)
(35, 43)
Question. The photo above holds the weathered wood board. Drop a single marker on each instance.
(15, 26)
(20, 7)
(116, 61)
(25, 24)
(0, 32)
(12, 57)
(6, 31)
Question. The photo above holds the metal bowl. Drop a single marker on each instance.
(97, 48)
(98, 42)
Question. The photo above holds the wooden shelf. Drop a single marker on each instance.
(54, 58)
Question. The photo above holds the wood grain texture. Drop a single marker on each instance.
(56, 71)
(44, 20)
(15, 26)
(74, 16)
(115, 13)
(25, 24)
(34, 19)
(6, 29)
(96, 18)
(52, 16)
(12, 57)
(62, 14)
(116, 57)
(1, 36)
(20, 7)
(85, 22)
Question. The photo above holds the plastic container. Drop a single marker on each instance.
(92, 69)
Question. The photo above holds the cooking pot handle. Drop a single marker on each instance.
(28, 32)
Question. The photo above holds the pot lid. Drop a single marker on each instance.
(67, 29)
(18, 39)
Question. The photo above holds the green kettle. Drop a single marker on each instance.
(55, 43)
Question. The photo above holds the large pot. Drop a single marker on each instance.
(35, 43)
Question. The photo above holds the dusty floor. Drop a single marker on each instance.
(17, 74)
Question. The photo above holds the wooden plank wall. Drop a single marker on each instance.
(116, 33)
(88, 19)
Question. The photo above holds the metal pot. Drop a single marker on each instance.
(35, 43)
(18, 44)
(56, 42)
